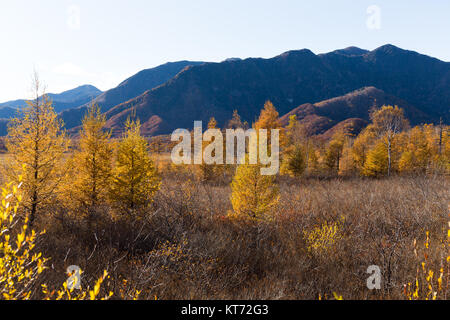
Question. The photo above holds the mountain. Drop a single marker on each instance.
(7, 112)
(61, 101)
(351, 111)
(351, 51)
(128, 89)
(289, 80)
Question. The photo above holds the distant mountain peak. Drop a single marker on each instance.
(61, 101)
(351, 51)
(391, 49)
(296, 53)
(232, 60)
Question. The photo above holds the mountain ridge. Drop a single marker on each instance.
(61, 101)
(128, 89)
(292, 78)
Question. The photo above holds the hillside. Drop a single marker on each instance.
(288, 80)
(128, 89)
(61, 101)
(351, 109)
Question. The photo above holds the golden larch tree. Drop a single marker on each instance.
(333, 153)
(92, 164)
(135, 179)
(295, 161)
(376, 164)
(37, 144)
(361, 147)
(417, 153)
(253, 195)
(270, 119)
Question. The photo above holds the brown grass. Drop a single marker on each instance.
(186, 247)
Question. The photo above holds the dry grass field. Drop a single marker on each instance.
(187, 247)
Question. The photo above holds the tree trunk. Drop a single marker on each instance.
(33, 210)
(389, 157)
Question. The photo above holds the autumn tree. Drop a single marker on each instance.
(291, 130)
(37, 144)
(253, 195)
(92, 164)
(236, 122)
(334, 152)
(388, 121)
(295, 162)
(135, 180)
(209, 171)
(347, 163)
(438, 142)
(269, 119)
(417, 153)
(377, 162)
(444, 156)
(361, 147)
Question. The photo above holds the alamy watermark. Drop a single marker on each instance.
(374, 281)
(74, 279)
(231, 150)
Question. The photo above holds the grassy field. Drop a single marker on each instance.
(323, 237)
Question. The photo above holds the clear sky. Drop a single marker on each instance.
(102, 42)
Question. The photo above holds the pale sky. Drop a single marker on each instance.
(102, 42)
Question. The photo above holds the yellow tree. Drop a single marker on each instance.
(135, 180)
(376, 163)
(295, 162)
(253, 195)
(36, 140)
(334, 152)
(417, 152)
(347, 163)
(208, 171)
(270, 119)
(361, 146)
(291, 130)
(92, 164)
(446, 149)
(437, 137)
(313, 165)
(388, 121)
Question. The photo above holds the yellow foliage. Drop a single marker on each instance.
(269, 119)
(323, 238)
(430, 284)
(19, 264)
(388, 122)
(253, 195)
(91, 163)
(294, 162)
(376, 163)
(36, 139)
(417, 154)
(334, 152)
(361, 147)
(135, 180)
